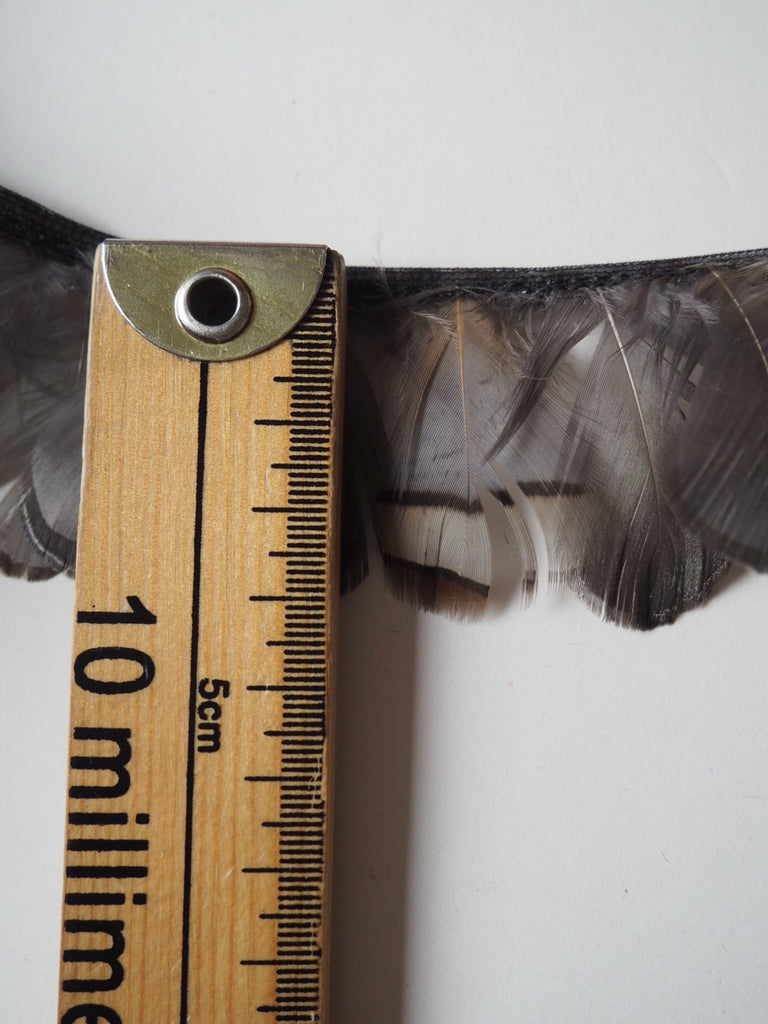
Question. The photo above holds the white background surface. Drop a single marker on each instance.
(541, 818)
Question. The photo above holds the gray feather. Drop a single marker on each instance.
(721, 460)
(634, 560)
(43, 337)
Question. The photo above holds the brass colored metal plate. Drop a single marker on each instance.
(144, 278)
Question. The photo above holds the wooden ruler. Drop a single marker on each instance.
(197, 865)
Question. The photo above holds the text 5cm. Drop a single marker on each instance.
(212, 691)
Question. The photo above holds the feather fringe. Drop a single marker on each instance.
(624, 408)
(647, 466)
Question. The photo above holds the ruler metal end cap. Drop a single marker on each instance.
(212, 302)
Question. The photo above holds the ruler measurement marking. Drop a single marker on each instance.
(307, 382)
(284, 870)
(297, 963)
(280, 688)
(303, 683)
(94, 899)
(202, 417)
(310, 558)
(105, 845)
(98, 818)
(294, 643)
(105, 871)
(272, 778)
(300, 462)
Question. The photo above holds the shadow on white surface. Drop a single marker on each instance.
(374, 773)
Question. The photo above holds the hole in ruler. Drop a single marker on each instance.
(212, 301)
(213, 305)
